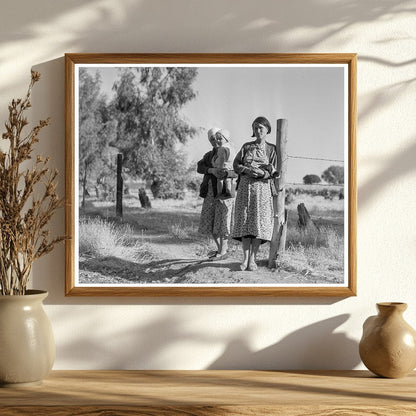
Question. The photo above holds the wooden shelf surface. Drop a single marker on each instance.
(202, 393)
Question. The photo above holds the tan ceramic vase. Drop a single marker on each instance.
(27, 347)
(388, 345)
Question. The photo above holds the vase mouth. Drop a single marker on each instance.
(385, 306)
(32, 293)
(35, 292)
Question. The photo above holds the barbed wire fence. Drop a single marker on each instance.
(315, 158)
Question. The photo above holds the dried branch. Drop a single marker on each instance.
(23, 218)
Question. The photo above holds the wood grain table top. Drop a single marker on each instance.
(226, 392)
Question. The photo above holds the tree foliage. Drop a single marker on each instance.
(168, 177)
(96, 128)
(334, 175)
(193, 178)
(311, 179)
(150, 126)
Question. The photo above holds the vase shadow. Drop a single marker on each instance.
(314, 347)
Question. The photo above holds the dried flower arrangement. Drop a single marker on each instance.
(28, 199)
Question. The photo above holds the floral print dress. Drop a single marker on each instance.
(254, 203)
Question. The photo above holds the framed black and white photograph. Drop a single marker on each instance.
(210, 174)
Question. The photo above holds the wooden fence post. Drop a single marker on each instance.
(119, 194)
(278, 243)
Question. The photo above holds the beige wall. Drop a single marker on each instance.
(193, 333)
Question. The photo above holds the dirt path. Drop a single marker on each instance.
(178, 255)
(178, 264)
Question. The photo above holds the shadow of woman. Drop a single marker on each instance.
(314, 347)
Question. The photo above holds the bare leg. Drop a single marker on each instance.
(217, 241)
(246, 242)
(255, 245)
(223, 248)
(220, 185)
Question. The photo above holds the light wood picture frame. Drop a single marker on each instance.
(137, 123)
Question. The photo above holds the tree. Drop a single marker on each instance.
(334, 175)
(147, 108)
(96, 127)
(311, 179)
(169, 177)
(193, 178)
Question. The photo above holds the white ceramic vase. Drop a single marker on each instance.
(27, 346)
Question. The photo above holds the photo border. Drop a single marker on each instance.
(72, 59)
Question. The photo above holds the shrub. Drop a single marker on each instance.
(334, 174)
(311, 179)
(101, 238)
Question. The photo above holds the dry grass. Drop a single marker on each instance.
(183, 230)
(101, 238)
(317, 204)
(313, 251)
(171, 226)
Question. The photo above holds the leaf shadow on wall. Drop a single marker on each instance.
(216, 26)
(239, 26)
(392, 170)
(151, 345)
(316, 346)
(396, 166)
(136, 345)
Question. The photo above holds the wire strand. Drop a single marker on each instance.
(315, 158)
(313, 184)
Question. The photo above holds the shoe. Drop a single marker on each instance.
(213, 254)
(243, 267)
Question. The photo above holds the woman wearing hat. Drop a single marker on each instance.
(217, 213)
(256, 165)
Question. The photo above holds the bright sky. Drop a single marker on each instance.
(311, 98)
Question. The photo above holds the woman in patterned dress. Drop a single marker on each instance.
(256, 165)
(216, 214)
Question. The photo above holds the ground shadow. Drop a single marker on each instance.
(122, 270)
